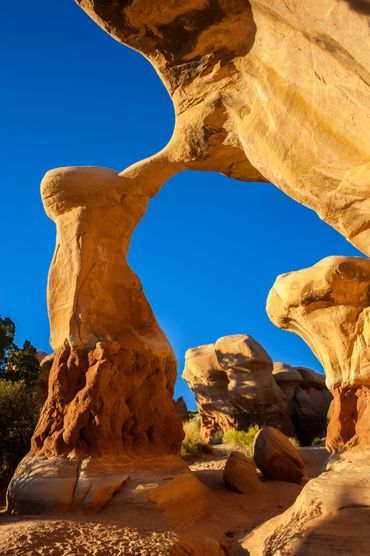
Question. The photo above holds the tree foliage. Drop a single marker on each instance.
(16, 364)
(19, 412)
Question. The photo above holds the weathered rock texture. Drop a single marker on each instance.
(111, 384)
(276, 457)
(240, 474)
(233, 385)
(308, 400)
(236, 384)
(328, 305)
(264, 90)
(110, 393)
(330, 516)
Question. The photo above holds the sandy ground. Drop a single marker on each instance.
(231, 516)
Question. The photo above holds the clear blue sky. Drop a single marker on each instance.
(209, 248)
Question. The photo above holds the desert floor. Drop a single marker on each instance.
(231, 517)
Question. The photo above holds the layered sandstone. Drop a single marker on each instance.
(233, 386)
(264, 91)
(328, 306)
(237, 385)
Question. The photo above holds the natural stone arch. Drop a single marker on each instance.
(239, 108)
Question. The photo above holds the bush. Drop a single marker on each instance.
(317, 441)
(242, 441)
(217, 438)
(193, 445)
(19, 412)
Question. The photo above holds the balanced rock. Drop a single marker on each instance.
(328, 305)
(233, 385)
(276, 457)
(240, 474)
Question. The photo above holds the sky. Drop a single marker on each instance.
(209, 248)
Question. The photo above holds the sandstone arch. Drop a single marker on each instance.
(281, 96)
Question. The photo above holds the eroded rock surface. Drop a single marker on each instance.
(264, 91)
(308, 400)
(328, 305)
(236, 384)
(233, 385)
(240, 474)
(330, 516)
(276, 457)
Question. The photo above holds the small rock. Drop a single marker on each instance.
(240, 474)
(276, 457)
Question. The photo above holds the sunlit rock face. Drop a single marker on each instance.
(328, 305)
(264, 91)
(233, 385)
(237, 385)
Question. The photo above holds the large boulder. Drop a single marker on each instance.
(233, 385)
(240, 474)
(276, 457)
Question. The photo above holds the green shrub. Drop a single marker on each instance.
(316, 441)
(217, 438)
(242, 441)
(193, 445)
(19, 412)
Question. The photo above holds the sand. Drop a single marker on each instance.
(230, 517)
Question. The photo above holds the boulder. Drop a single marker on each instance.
(276, 457)
(233, 385)
(240, 474)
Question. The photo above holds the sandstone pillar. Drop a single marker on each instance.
(328, 305)
(110, 399)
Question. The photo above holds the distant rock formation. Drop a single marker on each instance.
(236, 384)
(308, 399)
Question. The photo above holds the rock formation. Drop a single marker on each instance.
(328, 305)
(308, 400)
(330, 516)
(240, 474)
(276, 457)
(233, 385)
(264, 91)
(111, 383)
(236, 384)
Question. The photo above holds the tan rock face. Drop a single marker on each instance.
(330, 516)
(233, 385)
(308, 399)
(240, 474)
(264, 91)
(276, 457)
(112, 379)
(236, 384)
(328, 305)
